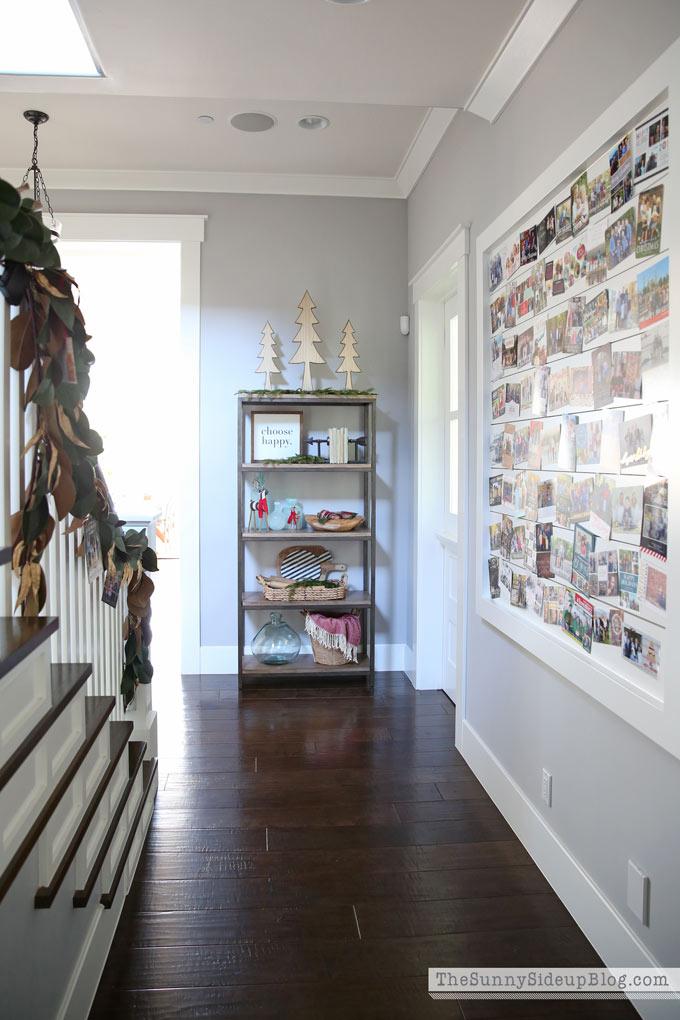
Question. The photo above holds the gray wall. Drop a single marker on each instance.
(259, 256)
(615, 794)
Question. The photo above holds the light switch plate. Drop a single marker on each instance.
(546, 787)
(638, 892)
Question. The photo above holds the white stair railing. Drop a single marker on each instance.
(89, 629)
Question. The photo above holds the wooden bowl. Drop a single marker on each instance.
(349, 524)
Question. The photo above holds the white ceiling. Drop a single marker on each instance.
(389, 74)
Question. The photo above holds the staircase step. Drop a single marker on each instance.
(97, 711)
(149, 770)
(66, 680)
(21, 635)
(120, 735)
(136, 752)
(25, 688)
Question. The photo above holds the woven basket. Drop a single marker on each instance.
(309, 593)
(328, 656)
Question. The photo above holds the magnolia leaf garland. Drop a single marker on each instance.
(48, 336)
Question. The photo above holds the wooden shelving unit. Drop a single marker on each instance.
(358, 535)
(364, 600)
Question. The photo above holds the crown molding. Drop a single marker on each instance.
(535, 27)
(423, 147)
(201, 181)
(420, 152)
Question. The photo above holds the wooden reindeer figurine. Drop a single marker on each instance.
(259, 510)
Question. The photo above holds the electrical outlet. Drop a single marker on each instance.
(546, 787)
(638, 892)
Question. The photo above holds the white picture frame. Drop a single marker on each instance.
(276, 435)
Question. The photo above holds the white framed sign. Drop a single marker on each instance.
(276, 435)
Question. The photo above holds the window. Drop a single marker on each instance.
(453, 406)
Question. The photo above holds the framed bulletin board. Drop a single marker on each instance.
(578, 393)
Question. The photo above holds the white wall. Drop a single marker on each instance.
(615, 794)
(260, 255)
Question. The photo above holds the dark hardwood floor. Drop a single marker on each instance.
(313, 851)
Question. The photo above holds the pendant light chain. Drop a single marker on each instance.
(39, 185)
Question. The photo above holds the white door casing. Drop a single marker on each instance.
(440, 543)
(189, 232)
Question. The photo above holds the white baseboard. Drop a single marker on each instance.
(223, 659)
(607, 930)
(390, 658)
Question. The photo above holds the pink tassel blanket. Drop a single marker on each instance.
(343, 632)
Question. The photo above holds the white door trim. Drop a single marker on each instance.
(432, 286)
(189, 231)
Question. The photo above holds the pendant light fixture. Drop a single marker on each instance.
(36, 118)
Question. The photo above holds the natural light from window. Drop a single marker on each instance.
(130, 297)
(44, 37)
(454, 355)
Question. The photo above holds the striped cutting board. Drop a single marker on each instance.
(304, 561)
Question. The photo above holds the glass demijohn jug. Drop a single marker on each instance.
(276, 644)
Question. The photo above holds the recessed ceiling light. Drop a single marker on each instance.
(348, 1)
(205, 118)
(313, 122)
(253, 121)
(57, 46)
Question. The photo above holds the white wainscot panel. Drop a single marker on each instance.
(26, 696)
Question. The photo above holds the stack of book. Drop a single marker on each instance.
(338, 445)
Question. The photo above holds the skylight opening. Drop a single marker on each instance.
(51, 42)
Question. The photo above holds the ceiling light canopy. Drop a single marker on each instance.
(57, 46)
(313, 122)
(253, 121)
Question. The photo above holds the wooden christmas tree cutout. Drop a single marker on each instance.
(307, 338)
(348, 355)
(269, 356)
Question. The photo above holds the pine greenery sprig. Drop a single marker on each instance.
(309, 582)
(298, 458)
(329, 391)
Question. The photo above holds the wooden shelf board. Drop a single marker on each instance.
(308, 398)
(304, 665)
(351, 466)
(298, 537)
(354, 599)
